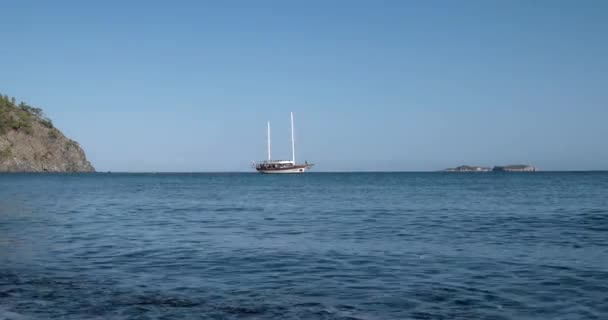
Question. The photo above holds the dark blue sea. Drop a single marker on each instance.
(312, 246)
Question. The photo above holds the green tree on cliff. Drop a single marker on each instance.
(20, 116)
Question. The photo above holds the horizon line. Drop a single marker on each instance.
(312, 172)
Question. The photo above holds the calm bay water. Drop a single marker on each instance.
(313, 246)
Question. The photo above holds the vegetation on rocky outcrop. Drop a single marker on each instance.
(30, 143)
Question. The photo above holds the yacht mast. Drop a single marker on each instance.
(293, 146)
(268, 138)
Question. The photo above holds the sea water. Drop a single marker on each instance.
(312, 246)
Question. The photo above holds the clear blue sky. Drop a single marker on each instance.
(374, 85)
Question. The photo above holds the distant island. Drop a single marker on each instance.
(509, 168)
(469, 169)
(515, 168)
(30, 143)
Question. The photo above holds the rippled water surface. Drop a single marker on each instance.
(313, 246)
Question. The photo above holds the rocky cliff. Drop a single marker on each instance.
(30, 143)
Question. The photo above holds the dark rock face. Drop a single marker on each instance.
(44, 150)
(30, 143)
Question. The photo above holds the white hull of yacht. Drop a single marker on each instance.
(283, 170)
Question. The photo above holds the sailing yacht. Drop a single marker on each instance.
(282, 166)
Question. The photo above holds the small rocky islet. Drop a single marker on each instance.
(509, 168)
